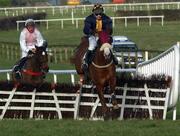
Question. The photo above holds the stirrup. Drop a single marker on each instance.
(15, 68)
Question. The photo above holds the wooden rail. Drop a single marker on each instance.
(76, 20)
(40, 102)
(84, 8)
(64, 54)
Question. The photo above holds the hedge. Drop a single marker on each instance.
(10, 22)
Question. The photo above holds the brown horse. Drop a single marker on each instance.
(35, 68)
(101, 71)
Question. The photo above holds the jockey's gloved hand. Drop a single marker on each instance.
(30, 52)
(33, 50)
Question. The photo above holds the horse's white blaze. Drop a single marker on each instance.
(106, 47)
(106, 51)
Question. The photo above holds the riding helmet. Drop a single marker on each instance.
(29, 22)
(98, 9)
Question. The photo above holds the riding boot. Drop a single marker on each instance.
(87, 60)
(18, 67)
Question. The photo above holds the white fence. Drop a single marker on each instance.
(32, 102)
(127, 6)
(166, 63)
(72, 73)
(76, 20)
(75, 101)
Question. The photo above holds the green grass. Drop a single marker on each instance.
(146, 37)
(89, 128)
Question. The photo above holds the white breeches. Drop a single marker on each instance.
(92, 42)
(24, 53)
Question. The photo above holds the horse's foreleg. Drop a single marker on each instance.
(112, 91)
(102, 100)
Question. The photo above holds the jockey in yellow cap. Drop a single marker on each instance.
(94, 23)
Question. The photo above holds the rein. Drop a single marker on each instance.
(32, 73)
(103, 66)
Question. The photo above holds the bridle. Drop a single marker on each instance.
(105, 48)
(44, 68)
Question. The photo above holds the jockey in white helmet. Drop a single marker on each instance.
(29, 38)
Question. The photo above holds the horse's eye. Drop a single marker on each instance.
(43, 53)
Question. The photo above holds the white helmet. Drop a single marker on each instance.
(29, 22)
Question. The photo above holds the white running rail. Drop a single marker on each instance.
(54, 102)
(84, 7)
(76, 20)
(166, 63)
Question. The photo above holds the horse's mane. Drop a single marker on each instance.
(43, 48)
(79, 49)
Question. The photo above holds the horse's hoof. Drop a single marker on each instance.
(106, 117)
(115, 107)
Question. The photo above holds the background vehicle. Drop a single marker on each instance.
(126, 52)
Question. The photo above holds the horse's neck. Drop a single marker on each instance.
(32, 64)
(99, 58)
